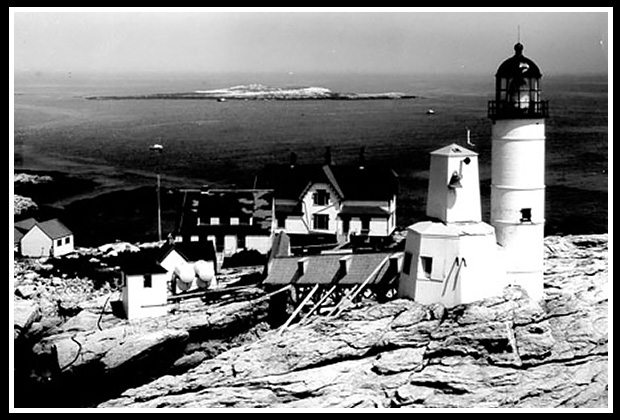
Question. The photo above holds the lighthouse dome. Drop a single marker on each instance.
(518, 66)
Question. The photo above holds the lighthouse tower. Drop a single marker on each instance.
(518, 170)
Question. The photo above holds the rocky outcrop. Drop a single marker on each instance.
(25, 313)
(255, 91)
(23, 204)
(506, 351)
(31, 179)
(95, 345)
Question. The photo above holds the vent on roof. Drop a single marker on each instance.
(302, 266)
(345, 264)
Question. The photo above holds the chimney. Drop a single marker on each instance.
(345, 264)
(293, 159)
(302, 266)
(362, 158)
(328, 155)
(394, 262)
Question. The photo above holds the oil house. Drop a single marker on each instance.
(453, 257)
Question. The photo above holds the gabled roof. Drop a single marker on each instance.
(17, 235)
(25, 225)
(325, 269)
(54, 229)
(350, 182)
(289, 181)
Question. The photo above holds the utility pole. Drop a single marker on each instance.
(159, 149)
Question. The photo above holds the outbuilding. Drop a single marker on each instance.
(452, 257)
(45, 239)
(145, 288)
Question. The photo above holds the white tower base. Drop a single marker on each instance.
(518, 199)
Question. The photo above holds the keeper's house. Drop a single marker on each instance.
(343, 201)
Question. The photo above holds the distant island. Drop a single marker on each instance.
(262, 92)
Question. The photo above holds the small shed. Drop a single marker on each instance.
(45, 239)
(145, 288)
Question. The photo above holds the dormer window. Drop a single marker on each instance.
(321, 198)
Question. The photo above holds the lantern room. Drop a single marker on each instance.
(517, 89)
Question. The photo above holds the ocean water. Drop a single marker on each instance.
(226, 144)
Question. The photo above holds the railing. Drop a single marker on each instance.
(499, 110)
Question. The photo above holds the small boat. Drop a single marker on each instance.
(430, 112)
(157, 147)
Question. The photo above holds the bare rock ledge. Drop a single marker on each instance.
(507, 351)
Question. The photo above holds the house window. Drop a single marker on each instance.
(234, 221)
(321, 198)
(407, 262)
(58, 242)
(526, 215)
(67, 240)
(321, 221)
(282, 222)
(426, 264)
(148, 281)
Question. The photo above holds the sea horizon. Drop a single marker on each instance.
(226, 144)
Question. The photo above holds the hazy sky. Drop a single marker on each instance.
(306, 42)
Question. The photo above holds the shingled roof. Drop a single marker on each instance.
(350, 182)
(52, 228)
(327, 269)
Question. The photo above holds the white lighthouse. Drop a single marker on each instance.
(518, 170)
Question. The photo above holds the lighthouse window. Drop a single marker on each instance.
(426, 263)
(148, 281)
(526, 215)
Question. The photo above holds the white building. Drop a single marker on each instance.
(44, 239)
(518, 170)
(145, 289)
(341, 201)
(453, 258)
